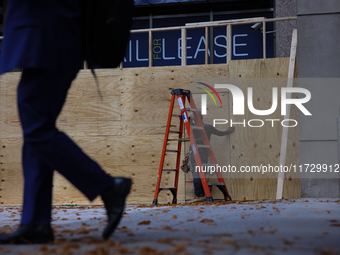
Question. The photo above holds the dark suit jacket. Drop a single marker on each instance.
(42, 34)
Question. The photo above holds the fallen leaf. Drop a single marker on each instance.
(232, 243)
(206, 221)
(287, 242)
(325, 252)
(148, 251)
(98, 251)
(166, 240)
(144, 222)
(167, 228)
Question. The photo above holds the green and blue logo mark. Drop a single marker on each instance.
(204, 97)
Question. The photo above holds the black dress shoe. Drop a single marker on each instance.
(114, 201)
(27, 234)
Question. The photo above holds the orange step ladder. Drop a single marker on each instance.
(182, 95)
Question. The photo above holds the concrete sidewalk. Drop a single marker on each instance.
(262, 227)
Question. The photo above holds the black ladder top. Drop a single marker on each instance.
(180, 92)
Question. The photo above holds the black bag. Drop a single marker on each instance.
(186, 163)
(106, 31)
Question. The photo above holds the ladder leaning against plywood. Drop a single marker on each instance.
(182, 96)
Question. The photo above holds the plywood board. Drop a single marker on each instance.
(251, 147)
(124, 132)
(9, 119)
(139, 162)
(11, 178)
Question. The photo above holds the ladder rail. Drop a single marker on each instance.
(178, 160)
(181, 96)
(161, 164)
(206, 142)
(194, 147)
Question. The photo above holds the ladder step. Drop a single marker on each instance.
(179, 139)
(203, 146)
(172, 151)
(191, 110)
(201, 142)
(216, 184)
(174, 132)
(168, 188)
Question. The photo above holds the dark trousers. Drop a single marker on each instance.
(198, 187)
(41, 95)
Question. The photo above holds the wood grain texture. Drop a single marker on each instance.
(285, 130)
(252, 147)
(125, 131)
(146, 95)
(9, 119)
(11, 178)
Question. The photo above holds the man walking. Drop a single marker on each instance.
(44, 39)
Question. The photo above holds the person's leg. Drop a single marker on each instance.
(41, 95)
(198, 188)
(37, 189)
